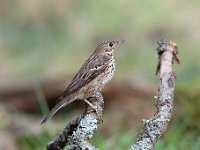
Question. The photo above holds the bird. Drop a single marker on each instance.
(94, 74)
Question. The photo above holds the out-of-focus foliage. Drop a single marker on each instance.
(42, 38)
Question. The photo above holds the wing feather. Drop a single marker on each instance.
(93, 67)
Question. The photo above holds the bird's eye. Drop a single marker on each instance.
(111, 44)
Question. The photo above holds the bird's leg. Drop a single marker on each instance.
(93, 107)
(90, 104)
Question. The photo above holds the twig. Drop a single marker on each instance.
(62, 139)
(155, 127)
(79, 132)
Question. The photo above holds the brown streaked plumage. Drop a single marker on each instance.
(96, 72)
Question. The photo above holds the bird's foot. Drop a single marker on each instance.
(94, 109)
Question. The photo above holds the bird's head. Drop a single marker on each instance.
(108, 47)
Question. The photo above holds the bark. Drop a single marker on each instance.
(155, 127)
(78, 133)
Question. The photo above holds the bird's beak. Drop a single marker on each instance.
(120, 42)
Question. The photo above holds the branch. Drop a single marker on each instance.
(155, 127)
(79, 132)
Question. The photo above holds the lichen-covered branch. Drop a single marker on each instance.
(155, 127)
(62, 138)
(78, 133)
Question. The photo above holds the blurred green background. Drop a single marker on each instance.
(43, 39)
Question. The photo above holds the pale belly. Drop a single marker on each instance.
(109, 73)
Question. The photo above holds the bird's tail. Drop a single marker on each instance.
(62, 101)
